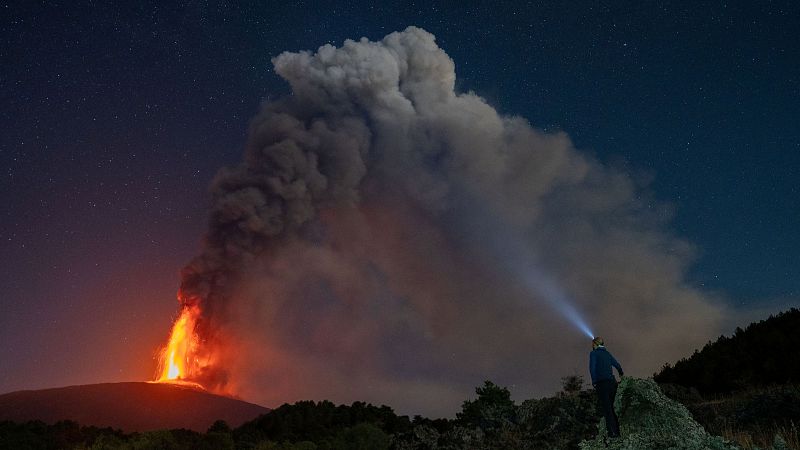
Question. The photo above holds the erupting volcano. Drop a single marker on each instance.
(179, 359)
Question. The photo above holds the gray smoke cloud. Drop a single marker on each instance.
(374, 245)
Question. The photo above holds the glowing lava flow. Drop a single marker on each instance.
(178, 357)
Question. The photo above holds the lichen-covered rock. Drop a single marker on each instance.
(779, 443)
(651, 421)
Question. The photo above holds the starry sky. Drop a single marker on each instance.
(116, 117)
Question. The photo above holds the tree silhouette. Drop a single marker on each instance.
(763, 354)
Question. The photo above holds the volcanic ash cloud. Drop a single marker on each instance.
(374, 245)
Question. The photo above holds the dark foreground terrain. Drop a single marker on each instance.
(755, 404)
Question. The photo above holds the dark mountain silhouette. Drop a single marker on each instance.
(135, 406)
(766, 353)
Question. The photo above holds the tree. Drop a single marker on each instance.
(490, 410)
(219, 436)
(572, 384)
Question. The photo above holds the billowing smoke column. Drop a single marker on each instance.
(389, 239)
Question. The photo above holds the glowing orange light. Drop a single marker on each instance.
(177, 358)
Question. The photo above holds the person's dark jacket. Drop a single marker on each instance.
(600, 363)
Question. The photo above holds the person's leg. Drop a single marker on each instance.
(604, 394)
(615, 419)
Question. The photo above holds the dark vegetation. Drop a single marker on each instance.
(744, 388)
(324, 424)
(491, 421)
(766, 353)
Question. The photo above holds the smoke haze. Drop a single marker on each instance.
(381, 239)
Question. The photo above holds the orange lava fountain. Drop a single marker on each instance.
(178, 358)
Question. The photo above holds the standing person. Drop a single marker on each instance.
(600, 363)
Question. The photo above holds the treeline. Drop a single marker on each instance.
(766, 353)
(745, 387)
(491, 421)
(323, 424)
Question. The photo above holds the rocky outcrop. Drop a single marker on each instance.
(651, 421)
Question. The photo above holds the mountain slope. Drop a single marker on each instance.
(134, 406)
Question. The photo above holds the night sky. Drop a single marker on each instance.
(115, 118)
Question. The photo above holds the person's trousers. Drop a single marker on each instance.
(606, 391)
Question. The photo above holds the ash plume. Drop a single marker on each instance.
(370, 246)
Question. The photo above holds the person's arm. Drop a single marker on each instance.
(593, 367)
(616, 364)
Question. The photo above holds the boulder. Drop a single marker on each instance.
(649, 420)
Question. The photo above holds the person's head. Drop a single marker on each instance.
(597, 342)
